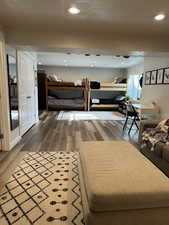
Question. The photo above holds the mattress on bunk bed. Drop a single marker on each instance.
(66, 94)
(113, 87)
(65, 103)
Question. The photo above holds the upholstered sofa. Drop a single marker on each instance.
(160, 155)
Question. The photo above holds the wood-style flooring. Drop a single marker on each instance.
(58, 135)
(51, 134)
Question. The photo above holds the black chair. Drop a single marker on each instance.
(131, 113)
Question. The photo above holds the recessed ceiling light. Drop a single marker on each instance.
(159, 17)
(74, 10)
(39, 63)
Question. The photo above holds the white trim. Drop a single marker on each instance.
(15, 141)
(4, 100)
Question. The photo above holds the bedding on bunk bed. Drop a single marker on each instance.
(65, 103)
(70, 98)
(52, 81)
(109, 96)
(111, 86)
(65, 94)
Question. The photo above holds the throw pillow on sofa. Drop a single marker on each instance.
(152, 136)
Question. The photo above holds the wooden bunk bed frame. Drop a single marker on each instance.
(55, 85)
(121, 87)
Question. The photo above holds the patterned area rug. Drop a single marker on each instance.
(44, 189)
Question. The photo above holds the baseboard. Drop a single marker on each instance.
(15, 141)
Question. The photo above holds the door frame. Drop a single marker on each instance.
(4, 97)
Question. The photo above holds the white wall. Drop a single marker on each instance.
(137, 69)
(159, 93)
(76, 73)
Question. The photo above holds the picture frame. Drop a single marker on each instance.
(166, 76)
(160, 73)
(153, 77)
(147, 78)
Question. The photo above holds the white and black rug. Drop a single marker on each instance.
(44, 189)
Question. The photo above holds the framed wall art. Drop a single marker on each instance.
(166, 76)
(147, 78)
(160, 73)
(153, 77)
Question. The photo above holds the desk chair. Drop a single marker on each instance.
(131, 113)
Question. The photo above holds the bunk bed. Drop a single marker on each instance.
(65, 95)
(113, 91)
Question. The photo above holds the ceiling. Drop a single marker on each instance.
(118, 16)
(80, 60)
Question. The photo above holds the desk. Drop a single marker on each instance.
(148, 109)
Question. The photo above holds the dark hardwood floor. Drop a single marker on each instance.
(51, 134)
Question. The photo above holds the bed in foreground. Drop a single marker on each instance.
(120, 186)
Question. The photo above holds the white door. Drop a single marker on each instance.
(26, 92)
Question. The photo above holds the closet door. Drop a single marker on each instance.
(26, 92)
